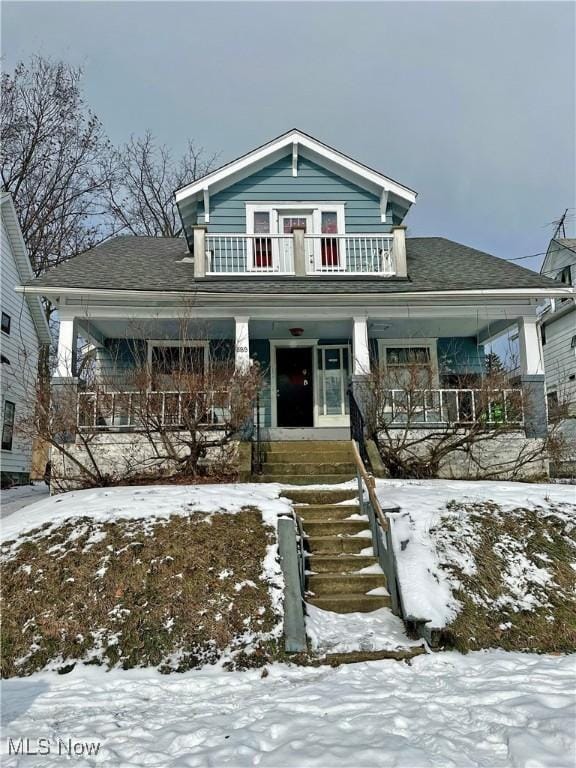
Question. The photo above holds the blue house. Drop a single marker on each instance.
(295, 257)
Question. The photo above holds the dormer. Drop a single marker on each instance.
(296, 207)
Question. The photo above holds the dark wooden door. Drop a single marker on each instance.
(295, 387)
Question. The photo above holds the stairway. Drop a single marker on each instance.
(307, 462)
(343, 574)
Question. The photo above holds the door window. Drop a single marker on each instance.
(332, 381)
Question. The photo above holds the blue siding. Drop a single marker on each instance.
(313, 183)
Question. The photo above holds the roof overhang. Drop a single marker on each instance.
(295, 141)
(23, 266)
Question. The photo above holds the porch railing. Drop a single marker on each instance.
(103, 411)
(250, 254)
(452, 406)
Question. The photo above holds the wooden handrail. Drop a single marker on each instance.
(370, 486)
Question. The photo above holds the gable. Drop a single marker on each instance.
(288, 156)
(276, 183)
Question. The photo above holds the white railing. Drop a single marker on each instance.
(453, 406)
(232, 254)
(349, 254)
(248, 254)
(138, 410)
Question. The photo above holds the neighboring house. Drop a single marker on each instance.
(558, 327)
(295, 256)
(24, 329)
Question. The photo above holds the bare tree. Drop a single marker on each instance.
(419, 429)
(141, 182)
(51, 157)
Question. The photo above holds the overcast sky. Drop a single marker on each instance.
(470, 104)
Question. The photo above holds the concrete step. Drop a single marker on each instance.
(335, 545)
(335, 527)
(286, 468)
(309, 457)
(298, 446)
(350, 603)
(320, 512)
(322, 584)
(320, 495)
(301, 479)
(353, 657)
(343, 563)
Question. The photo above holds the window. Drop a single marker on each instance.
(409, 365)
(543, 334)
(262, 245)
(168, 358)
(8, 425)
(330, 248)
(6, 322)
(565, 275)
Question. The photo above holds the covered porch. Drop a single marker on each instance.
(308, 365)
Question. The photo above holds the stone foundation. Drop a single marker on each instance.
(122, 457)
(506, 456)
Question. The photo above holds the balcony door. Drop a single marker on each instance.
(287, 220)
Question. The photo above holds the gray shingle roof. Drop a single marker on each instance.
(567, 242)
(163, 264)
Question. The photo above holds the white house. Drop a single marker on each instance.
(24, 329)
(558, 327)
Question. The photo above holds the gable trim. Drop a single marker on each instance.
(296, 139)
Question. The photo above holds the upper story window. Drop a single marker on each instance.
(6, 321)
(565, 275)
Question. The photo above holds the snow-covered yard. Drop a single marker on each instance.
(490, 709)
(510, 547)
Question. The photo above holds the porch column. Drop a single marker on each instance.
(532, 378)
(200, 250)
(399, 250)
(66, 361)
(242, 348)
(299, 250)
(361, 350)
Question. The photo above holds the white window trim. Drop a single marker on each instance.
(430, 343)
(286, 207)
(281, 206)
(204, 344)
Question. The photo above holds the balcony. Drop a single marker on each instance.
(297, 254)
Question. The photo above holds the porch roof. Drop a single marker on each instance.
(164, 264)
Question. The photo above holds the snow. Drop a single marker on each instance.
(150, 501)
(13, 499)
(483, 710)
(378, 630)
(427, 589)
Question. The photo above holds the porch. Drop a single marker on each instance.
(307, 367)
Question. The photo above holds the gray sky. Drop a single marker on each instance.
(471, 104)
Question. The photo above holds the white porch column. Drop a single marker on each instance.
(531, 358)
(399, 250)
(66, 363)
(242, 348)
(361, 350)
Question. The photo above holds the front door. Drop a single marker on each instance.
(294, 387)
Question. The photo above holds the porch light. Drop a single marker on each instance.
(296, 331)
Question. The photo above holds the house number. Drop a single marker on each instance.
(241, 349)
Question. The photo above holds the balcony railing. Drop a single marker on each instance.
(349, 254)
(249, 254)
(132, 411)
(245, 254)
(452, 406)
